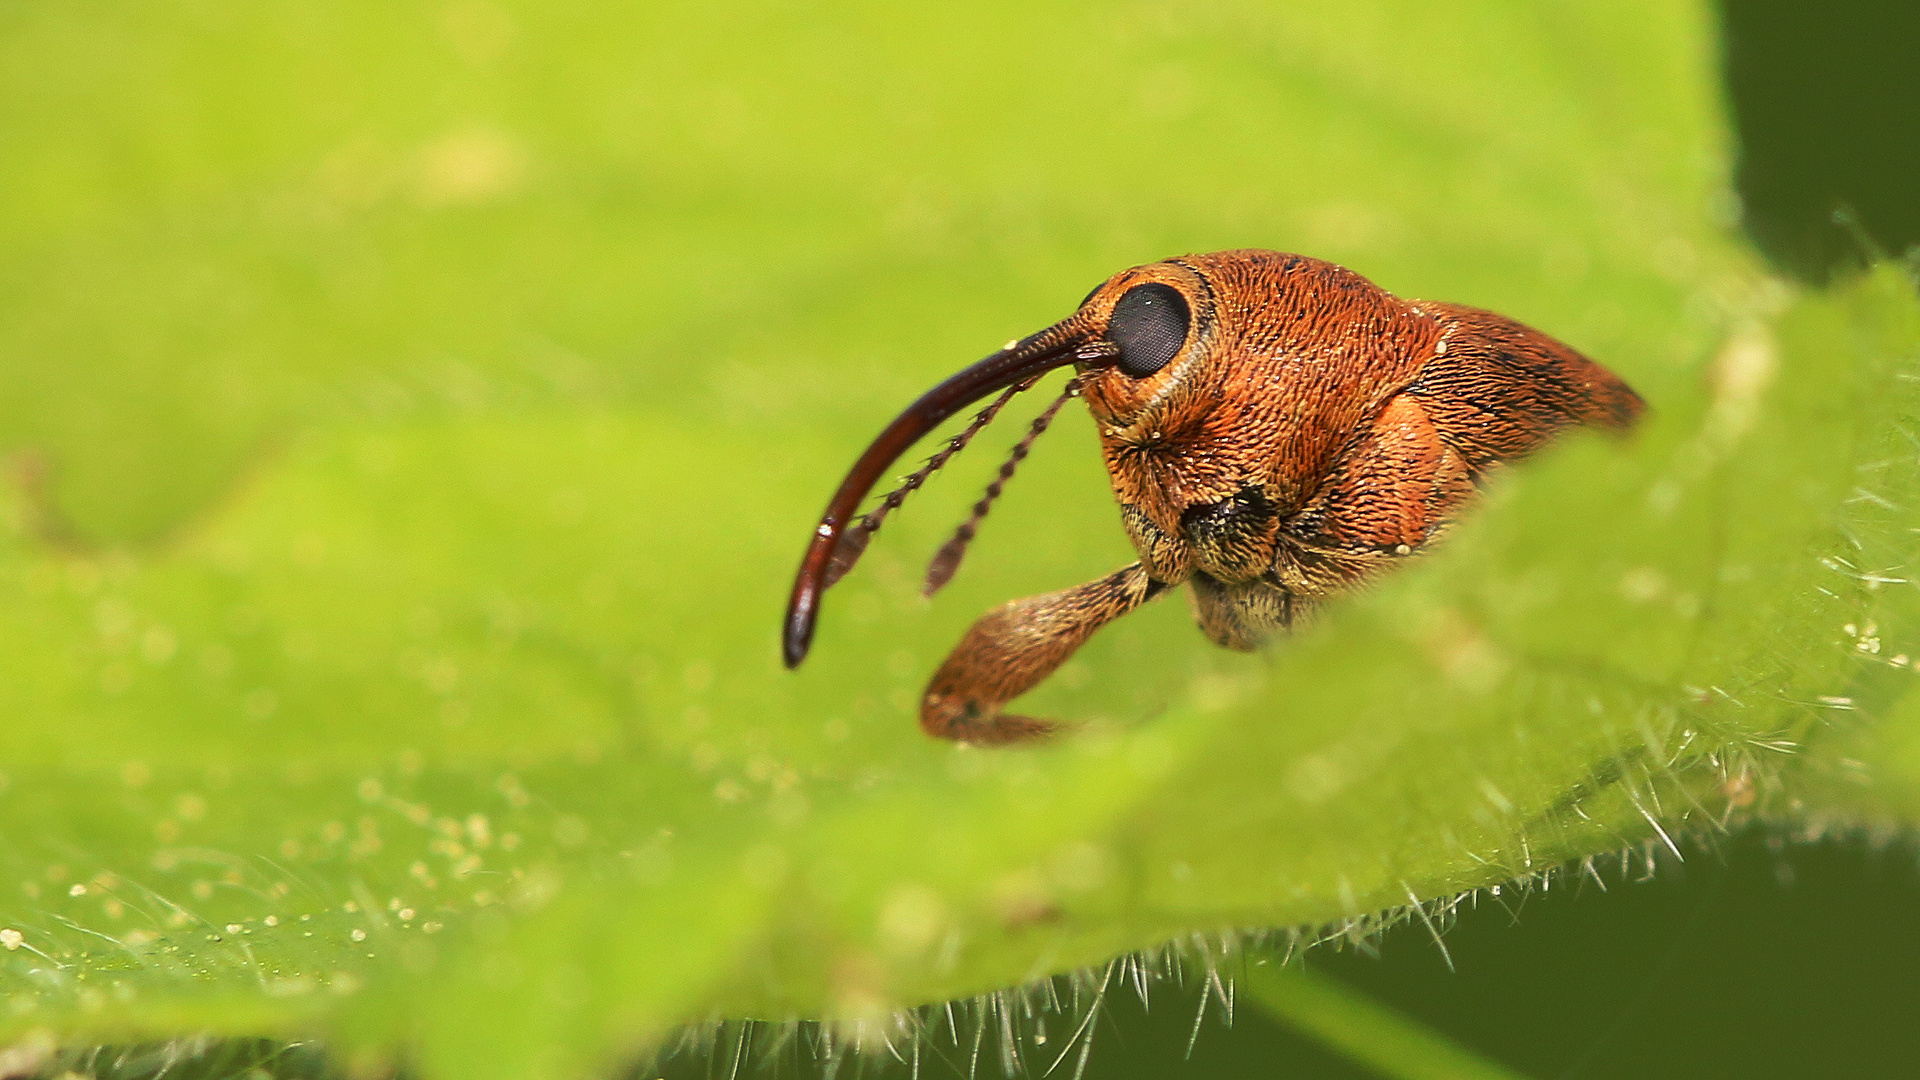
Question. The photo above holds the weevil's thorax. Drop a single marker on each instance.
(1287, 360)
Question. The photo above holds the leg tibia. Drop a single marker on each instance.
(1012, 648)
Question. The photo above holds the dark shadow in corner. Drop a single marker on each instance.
(1825, 100)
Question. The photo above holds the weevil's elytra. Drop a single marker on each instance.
(1277, 430)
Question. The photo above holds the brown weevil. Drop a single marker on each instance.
(1277, 429)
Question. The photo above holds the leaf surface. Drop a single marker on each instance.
(420, 414)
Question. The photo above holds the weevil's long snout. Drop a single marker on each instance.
(1069, 342)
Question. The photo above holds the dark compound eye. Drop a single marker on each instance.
(1149, 324)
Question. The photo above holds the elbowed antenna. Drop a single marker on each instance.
(947, 559)
(1060, 344)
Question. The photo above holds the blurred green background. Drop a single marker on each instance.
(734, 236)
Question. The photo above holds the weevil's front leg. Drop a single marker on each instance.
(1012, 648)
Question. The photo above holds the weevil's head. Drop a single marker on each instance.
(1164, 354)
(1159, 320)
(1233, 370)
(1192, 332)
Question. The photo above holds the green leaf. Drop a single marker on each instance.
(422, 412)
